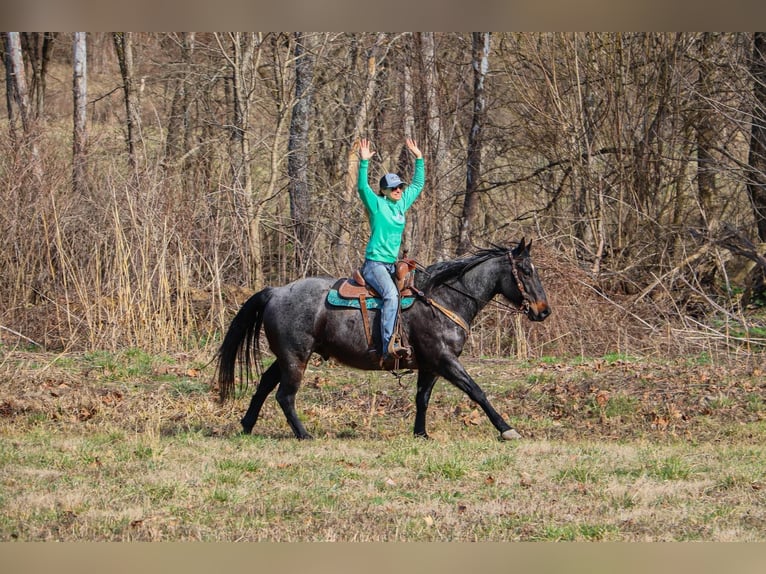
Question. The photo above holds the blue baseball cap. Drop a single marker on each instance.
(390, 181)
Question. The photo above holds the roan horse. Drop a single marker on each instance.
(298, 321)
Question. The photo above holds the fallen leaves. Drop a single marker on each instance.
(602, 397)
(473, 418)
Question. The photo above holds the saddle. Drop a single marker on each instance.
(355, 288)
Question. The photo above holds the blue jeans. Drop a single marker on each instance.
(379, 275)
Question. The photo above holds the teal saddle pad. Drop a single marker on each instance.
(371, 302)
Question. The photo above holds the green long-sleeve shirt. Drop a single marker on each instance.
(387, 218)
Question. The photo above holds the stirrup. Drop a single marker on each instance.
(398, 352)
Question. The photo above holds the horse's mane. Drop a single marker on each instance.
(442, 272)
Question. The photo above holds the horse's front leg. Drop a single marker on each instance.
(426, 382)
(455, 373)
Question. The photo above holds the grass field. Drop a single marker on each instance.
(128, 446)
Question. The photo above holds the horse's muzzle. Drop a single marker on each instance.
(538, 311)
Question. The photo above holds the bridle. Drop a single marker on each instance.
(526, 299)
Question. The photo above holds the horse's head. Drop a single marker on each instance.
(526, 290)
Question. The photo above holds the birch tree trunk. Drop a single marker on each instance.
(18, 99)
(80, 96)
(18, 87)
(10, 87)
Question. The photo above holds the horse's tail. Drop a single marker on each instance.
(242, 342)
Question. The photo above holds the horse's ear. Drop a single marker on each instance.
(520, 248)
(529, 246)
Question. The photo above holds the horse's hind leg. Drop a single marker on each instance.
(269, 380)
(288, 388)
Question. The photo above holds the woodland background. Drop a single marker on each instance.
(150, 182)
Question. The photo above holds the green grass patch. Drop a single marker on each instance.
(620, 405)
(673, 467)
(581, 532)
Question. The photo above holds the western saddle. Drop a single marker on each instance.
(357, 288)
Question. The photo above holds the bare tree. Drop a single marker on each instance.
(18, 95)
(18, 99)
(38, 47)
(80, 97)
(436, 151)
(756, 180)
(9, 85)
(123, 44)
(178, 140)
(298, 149)
(706, 135)
(243, 57)
(480, 63)
(376, 53)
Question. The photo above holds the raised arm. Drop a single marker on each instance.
(413, 147)
(366, 194)
(413, 190)
(364, 150)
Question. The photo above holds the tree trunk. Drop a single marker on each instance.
(80, 97)
(38, 47)
(298, 150)
(240, 148)
(178, 141)
(412, 230)
(436, 153)
(19, 98)
(377, 52)
(123, 44)
(480, 59)
(756, 180)
(48, 39)
(9, 86)
(706, 136)
(18, 81)
(243, 65)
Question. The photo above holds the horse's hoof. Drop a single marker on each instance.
(510, 434)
